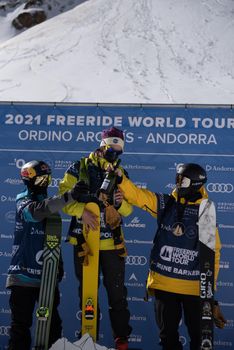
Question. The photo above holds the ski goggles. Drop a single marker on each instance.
(43, 180)
(182, 181)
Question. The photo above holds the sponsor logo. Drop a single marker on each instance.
(5, 254)
(137, 299)
(137, 241)
(135, 222)
(225, 207)
(138, 167)
(62, 164)
(171, 186)
(133, 277)
(3, 236)
(138, 318)
(226, 226)
(133, 282)
(135, 338)
(224, 265)
(220, 187)
(223, 343)
(54, 182)
(177, 255)
(205, 286)
(4, 330)
(206, 311)
(105, 235)
(39, 257)
(141, 184)
(10, 216)
(229, 324)
(18, 163)
(11, 181)
(228, 246)
(136, 260)
(7, 198)
(225, 284)
(206, 344)
(5, 311)
(79, 315)
(183, 340)
(219, 168)
(5, 292)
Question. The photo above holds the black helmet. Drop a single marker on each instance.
(189, 179)
(36, 174)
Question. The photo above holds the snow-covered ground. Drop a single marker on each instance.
(144, 51)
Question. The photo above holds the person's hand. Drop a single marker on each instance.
(90, 220)
(119, 176)
(83, 253)
(79, 189)
(219, 319)
(118, 198)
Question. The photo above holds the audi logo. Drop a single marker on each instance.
(55, 182)
(4, 330)
(136, 260)
(219, 188)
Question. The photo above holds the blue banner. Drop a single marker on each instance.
(157, 139)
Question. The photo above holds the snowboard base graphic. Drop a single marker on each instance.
(90, 278)
(207, 231)
(51, 256)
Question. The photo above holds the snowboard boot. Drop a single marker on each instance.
(121, 343)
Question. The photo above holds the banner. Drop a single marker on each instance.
(157, 139)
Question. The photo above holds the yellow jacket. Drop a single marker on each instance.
(147, 200)
(76, 209)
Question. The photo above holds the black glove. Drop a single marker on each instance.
(80, 193)
(80, 189)
(119, 176)
(219, 319)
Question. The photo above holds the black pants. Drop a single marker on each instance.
(168, 312)
(22, 303)
(113, 269)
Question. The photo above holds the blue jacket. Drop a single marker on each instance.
(30, 220)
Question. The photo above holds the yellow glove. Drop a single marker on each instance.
(83, 253)
(113, 218)
(219, 319)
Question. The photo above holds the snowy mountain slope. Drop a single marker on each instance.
(10, 9)
(145, 51)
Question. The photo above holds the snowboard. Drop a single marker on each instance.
(207, 231)
(51, 254)
(90, 278)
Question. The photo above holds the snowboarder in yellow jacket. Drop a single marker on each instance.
(92, 170)
(174, 273)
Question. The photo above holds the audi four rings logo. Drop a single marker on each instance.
(136, 260)
(220, 188)
(4, 330)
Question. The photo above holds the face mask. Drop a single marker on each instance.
(111, 155)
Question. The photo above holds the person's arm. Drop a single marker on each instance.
(37, 211)
(70, 178)
(139, 197)
(125, 208)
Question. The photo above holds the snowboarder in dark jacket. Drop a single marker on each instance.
(24, 273)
